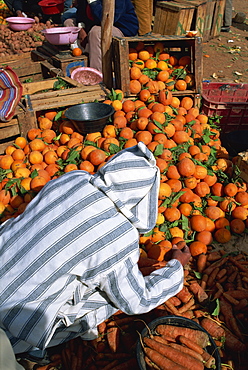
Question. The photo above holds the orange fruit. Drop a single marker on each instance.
(37, 183)
(76, 52)
(135, 86)
(20, 142)
(97, 157)
(44, 123)
(197, 247)
(222, 235)
(237, 226)
(198, 223)
(164, 191)
(180, 85)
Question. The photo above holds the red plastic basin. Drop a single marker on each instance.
(52, 6)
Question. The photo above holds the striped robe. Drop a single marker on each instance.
(70, 260)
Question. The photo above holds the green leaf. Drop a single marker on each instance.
(158, 150)
(216, 311)
(34, 174)
(113, 148)
(197, 274)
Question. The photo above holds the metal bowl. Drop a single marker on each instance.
(61, 35)
(20, 23)
(89, 117)
(177, 321)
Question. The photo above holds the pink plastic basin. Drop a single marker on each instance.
(20, 23)
(52, 6)
(61, 35)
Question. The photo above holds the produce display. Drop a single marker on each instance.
(202, 201)
(17, 42)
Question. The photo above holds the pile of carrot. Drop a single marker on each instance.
(223, 279)
(177, 348)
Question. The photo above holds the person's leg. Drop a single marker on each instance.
(144, 11)
(227, 19)
(7, 357)
(94, 46)
(68, 18)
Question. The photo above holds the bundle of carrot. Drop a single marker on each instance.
(177, 348)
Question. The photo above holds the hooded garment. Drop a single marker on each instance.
(70, 260)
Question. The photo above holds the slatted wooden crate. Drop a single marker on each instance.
(34, 101)
(29, 70)
(172, 18)
(218, 17)
(243, 166)
(60, 57)
(174, 45)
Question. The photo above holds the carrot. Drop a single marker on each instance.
(187, 350)
(239, 294)
(130, 364)
(221, 274)
(175, 301)
(213, 328)
(201, 262)
(173, 354)
(161, 361)
(209, 361)
(112, 356)
(213, 256)
(190, 344)
(197, 336)
(111, 365)
(102, 328)
(160, 339)
(186, 306)
(242, 304)
(122, 321)
(171, 308)
(233, 343)
(151, 364)
(198, 292)
(113, 338)
(184, 295)
(233, 276)
(230, 299)
(237, 264)
(235, 328)
(212, 277)
(204, 281)
(214, 265)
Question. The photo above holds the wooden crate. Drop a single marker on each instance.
(243, 166)
(175, 45)
(218, 17)
(34, 101)
(172, 18)
(200, 15)
(61, 59)
(29, 70)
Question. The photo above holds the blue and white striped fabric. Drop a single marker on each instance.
(70, 260)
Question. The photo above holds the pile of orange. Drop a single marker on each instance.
(154, 69)
(201, 199)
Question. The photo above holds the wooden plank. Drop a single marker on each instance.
(172, 18)
(218, 17)
(12, 122)
(9, 131)
(64, 101)
(33, 87)
(106, 41)
(208, 20)
(20, 57)
(243, 166)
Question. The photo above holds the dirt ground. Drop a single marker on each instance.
(225, 58)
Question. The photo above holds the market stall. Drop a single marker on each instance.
(159, 100)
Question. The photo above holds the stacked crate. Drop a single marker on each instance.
(177, 46)
(177, 17)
